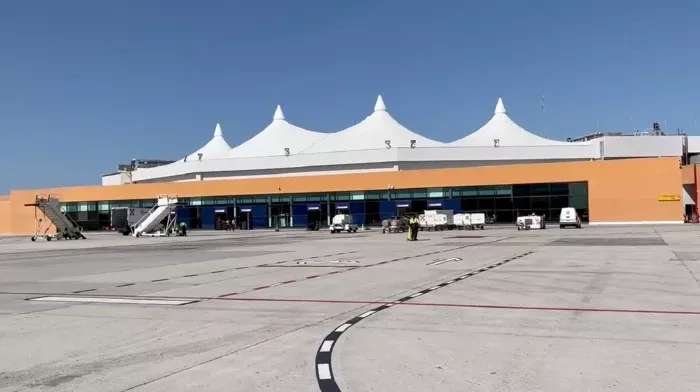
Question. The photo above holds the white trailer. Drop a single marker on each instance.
(531, 222)
(471, 221)
(434, 220)
(342, 222)
(462, 221)
(477, 220)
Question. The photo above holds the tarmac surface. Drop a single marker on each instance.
(595, 309)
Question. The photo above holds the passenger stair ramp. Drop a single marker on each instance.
(51, 209)
(149, 224)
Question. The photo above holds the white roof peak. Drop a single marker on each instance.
(279, 115)
(500, 107)
(217, 130)
(379, 106)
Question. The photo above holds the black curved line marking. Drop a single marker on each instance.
(324, 369)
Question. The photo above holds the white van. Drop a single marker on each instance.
(569, 217)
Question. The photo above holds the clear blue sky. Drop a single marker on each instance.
(85, 85)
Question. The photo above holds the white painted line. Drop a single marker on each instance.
(324, 371)
(365, 314)
(326, 346)
(343, 327)
(102, 300)
(434, 288)
(416, 295)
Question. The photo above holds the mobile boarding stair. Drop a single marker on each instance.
(150, 224)
(49, 206)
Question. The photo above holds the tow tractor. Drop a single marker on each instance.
(342, 222)
(531, 222)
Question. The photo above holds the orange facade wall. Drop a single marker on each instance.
(688, 173)
(619, 190)
(5, 223)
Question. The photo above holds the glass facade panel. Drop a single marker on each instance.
(342, 196)
(402, 195)
(469, 192)
(436, 193)
(486, 191)
(503, 191)
(500, 204)
(578, 188)
(357, 196)
(539, 190)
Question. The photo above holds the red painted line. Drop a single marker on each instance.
(288, 281)
(312, 277)
(261, 287)
(473, 306)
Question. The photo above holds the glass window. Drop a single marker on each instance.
(274, 199)
(221, 200)
(469, 192)
(559, 189)
(285, 199)
(207, 201)
(503, 203)
(342, 196)
(559, 202)
(521, 190)
(578, 201)
(148, 203)
(486, 191)
(195, 201)
(260, 200)
(469, 204)
(103, 206)
(357, 196)
(504, 190)
(244, 200)
(435, 192)
(419, 194)
(486, 203)
(539, 203)
(82, 207)
(578, 188)
(539, 189)
(64, 209)
(402, 195)
(522, 204)
(315, 197)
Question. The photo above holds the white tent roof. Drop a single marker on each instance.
(216, 148)
(371, 133)
(507, 132)
(277, 136)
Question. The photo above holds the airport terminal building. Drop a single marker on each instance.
(377, 168)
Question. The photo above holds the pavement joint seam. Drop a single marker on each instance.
(361, 267)
(324, 371)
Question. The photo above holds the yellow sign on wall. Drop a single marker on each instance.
(669, 198)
